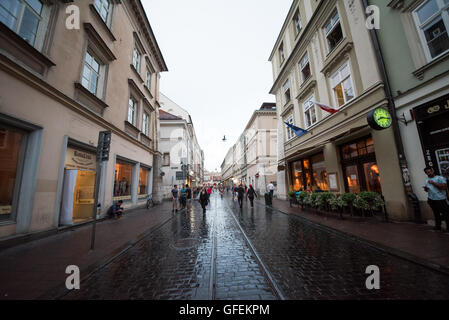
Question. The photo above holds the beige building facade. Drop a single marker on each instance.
(60, 87)
(324, 54)
(253, 159)
(183, 158)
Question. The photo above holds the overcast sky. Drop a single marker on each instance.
(217, 54)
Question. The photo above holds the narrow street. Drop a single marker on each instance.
(250, 254)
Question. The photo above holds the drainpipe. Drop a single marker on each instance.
(391, 104)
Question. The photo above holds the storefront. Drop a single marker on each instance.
(359, 166)
(309, 174)
(79, 185)
(432, 120)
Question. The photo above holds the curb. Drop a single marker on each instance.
(380, 247)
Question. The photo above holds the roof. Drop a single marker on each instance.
(163, 115)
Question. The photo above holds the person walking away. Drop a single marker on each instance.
(270, 188)
(116, 210)
(204, 199)
(246, 190)
(183, 196)
(174, 195)
(240, 195)
(251, 194)
(188, 195)
(437, 197)
(209, 190)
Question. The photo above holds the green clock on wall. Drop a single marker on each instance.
(379, 119)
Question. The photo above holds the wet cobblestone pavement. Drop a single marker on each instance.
(308, 262)
(202, 257)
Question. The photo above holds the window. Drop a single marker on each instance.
(310, 112)
(103, 7)
(319, 172)
(333, 32)
(123, 181)
(286, 88)
(23, 17)
(166, 160)
(305, 68)
(148, 78)
(12, 144)
(341, 83)
(136, 59)
(143, 181)
(290, 133)
(146, 124)
(432, 19)
(360, 167)
(281, 53)
(297, 22)
(132, 111)
(91, 73)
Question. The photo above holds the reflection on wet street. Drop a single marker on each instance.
(196, 256)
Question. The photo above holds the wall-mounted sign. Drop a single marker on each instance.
(80, 160)
(379, 119)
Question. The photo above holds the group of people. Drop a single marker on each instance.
(184, 196)
(241, 191)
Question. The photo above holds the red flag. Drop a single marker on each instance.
(326, 107)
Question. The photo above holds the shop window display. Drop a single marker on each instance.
(143, 181)
(11, 141)
(122, 183)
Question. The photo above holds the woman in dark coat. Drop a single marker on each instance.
(204, 199)
(251, 194)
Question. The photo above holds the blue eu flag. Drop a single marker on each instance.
(298, 131)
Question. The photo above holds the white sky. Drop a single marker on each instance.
(217, 54)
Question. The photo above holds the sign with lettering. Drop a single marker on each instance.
(80, 160)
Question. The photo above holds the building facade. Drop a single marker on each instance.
(253, 159)
(60, 87)
(183, 159)
(324, 54)
(414, 42)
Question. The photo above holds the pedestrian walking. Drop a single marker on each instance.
(183, 196)
(240, 195)
(251, 194)
(188, 195)
(270, 188)
(174, 195)
(204, 199)
(436, 187)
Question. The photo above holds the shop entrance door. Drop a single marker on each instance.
(78, 196)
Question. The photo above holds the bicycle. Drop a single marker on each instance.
(150, 202)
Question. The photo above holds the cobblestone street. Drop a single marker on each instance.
(203, 257)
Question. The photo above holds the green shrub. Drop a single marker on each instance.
(313, 200)
(303, 197)
(323, 199)
(368, 201)
(291, 194)
(348, 199)
(336, 203)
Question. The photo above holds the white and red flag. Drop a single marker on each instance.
(326, 107)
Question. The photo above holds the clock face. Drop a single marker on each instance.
(382, 117)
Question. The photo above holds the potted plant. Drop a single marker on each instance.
(303, 198)
(292, 197)
(368, 202)
(337, 204)
(348, 201)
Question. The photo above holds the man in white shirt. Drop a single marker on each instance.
(270, 188)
